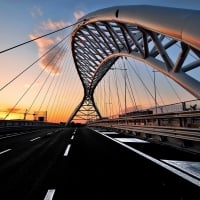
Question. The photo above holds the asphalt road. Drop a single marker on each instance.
(79, 163)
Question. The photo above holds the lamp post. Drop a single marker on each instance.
(125, 77)
(155, 95)
(125, 106)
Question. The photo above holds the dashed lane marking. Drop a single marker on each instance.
(12, 135)
(67, 150)
(2, 152)
(34, 139)
(132, 140)
(110, 132)
(49, 133)
(49, 195)
(72, 137)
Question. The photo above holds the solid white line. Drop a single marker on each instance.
(34, 139)
(49, 195)
(159, 162)
(5, 151)
(67, 150)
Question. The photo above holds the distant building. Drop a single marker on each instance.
(40, 116)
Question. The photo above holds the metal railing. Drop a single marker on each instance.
(181, 128)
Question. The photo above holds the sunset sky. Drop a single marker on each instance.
(22, 20)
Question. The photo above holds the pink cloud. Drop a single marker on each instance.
(78, 14)
(49, 61)
(51, 25)
(44, 44)
(36, 11)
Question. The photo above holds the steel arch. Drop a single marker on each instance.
(143, 32)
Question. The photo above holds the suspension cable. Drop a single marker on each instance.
(44, 81)
(58, 91)
(41, 36)
(173, 89)
(44, 98)
(156, 88)
(143, 82)
(22, 72)
(33, 81)
(131, 93)
(117, 88)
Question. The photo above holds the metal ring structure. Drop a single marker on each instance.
(145, 33)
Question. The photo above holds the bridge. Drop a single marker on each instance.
(104, 56)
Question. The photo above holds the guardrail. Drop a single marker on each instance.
(178, 119)
(181, 129)
(18, 123)
(181, 133)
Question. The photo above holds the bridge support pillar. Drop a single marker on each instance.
(85, 111)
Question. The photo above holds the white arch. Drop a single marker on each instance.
(103, 36)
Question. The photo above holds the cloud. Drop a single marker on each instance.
(11, 113)
(50, 25)
(50, 62)
(78, 14)
(36, 11)
(13, 110)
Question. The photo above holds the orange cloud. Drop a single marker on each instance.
(11, 110)
(14, 110)
(12, 113)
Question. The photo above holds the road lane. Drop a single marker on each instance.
(13, 140)
(83, 164)
(185, 161)
(99, 168)
(24, 170)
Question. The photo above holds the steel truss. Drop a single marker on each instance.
(146, 33)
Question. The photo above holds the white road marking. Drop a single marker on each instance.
(110, 132)
(5, 151)
(49, 195)
(72, 137)
(67, 150)
(12, 135)
(74, 131)
(135, 140)
(159, 162)
(190, 167)
(34, 139)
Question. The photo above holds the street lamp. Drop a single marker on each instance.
(125, 106)
(125, 77)
(155, 95)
